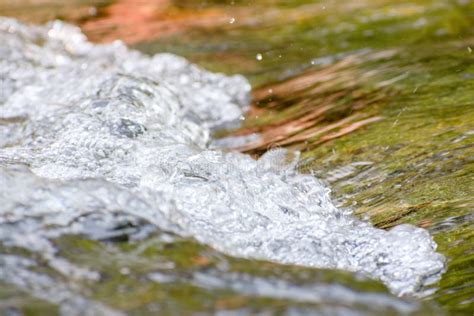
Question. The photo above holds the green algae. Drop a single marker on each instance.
(158, 275)
(14, 301)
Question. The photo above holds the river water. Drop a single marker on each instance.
(101, 141)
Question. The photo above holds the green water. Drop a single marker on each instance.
(410, 63)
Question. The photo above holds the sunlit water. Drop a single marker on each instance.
(95, 137)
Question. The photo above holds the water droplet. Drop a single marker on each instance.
(232, 20)
(125, 271)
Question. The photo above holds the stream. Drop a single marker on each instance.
(121, 194)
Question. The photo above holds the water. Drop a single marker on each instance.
(101, 141)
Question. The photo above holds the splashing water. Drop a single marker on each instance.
(95, 136)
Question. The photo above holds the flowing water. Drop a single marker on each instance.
(117, 197)
(100, 141)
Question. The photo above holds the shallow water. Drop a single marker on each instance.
(102, 142)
